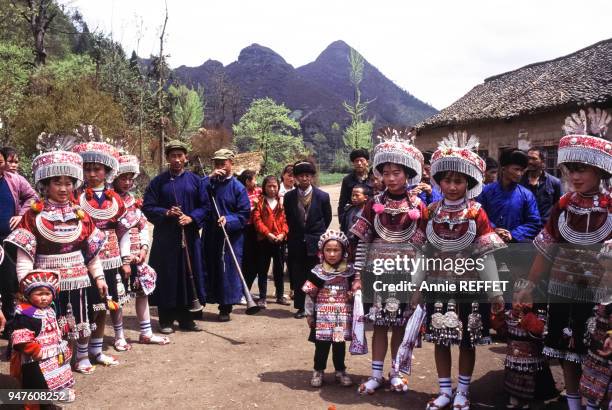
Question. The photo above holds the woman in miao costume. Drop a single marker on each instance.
(58, 235)
(105, 207)
(134, 252)
(569, 245)
(391, 224)
(458, 228)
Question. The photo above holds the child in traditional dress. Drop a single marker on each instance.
(56, 234)
(105, 207)
(329, 306)
(40, 358)
(458, 229)
(134, 252)
(527, 375)
(570, 242)
(391, 226)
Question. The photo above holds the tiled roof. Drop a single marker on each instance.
(581, 78)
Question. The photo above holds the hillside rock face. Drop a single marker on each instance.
(314, 92)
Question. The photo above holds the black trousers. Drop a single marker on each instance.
(301, 264)
(182, 315)
(249, 254)
(322, 353)
(8, 285)
(269, 252)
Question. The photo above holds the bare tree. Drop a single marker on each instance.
(225, 99)
(39, 14)
(160, 92)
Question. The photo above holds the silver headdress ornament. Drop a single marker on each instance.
(585, 140)
(458, 153)
(56, 159)
(333, 235)
(594, 122)
(397, 147)
(47, 142)
(97, 149)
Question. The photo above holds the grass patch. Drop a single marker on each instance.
(326, 178)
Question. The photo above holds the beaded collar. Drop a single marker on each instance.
(53, 211)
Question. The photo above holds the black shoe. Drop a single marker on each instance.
(224, 317)
(190, 327)
(300, 314)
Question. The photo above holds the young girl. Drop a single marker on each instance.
(271, 227)
(56, 234)
(40, 358)
(569, 244)
(287, 181)
(391, 225)
(329, 306)
(458, 228)
(11, 160)
(105, 207)
(135, 251)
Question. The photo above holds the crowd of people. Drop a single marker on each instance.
(79, 247)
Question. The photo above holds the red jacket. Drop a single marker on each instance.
(267, 220)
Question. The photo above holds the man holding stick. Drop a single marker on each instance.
(177, 207)
(223, 282)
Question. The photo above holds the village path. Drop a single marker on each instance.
(258, 362)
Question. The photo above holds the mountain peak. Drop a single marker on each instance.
(337, 53)
(256, 53)
(338, 44)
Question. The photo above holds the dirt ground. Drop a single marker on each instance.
(262, 361)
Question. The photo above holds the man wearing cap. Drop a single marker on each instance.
(174, 202)
(359, 158)
(512, 208)
(223, 284)
(309, 214)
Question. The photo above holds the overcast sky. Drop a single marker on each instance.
(436, 50)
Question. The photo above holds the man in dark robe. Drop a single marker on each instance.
(223, 282)
(173, 203)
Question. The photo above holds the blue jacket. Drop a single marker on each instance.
(515, 209)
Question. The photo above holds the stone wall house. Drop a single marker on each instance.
(527, 106)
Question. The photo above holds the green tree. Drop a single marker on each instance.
(187, 109)
(14, 75)
(266, 127)
(61, 95)
(359, 133)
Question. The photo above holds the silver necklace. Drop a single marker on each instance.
(584, 238)
(451, 245)
(99, 214)
(64, 236)
(388, 235)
